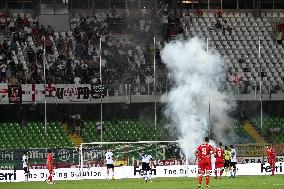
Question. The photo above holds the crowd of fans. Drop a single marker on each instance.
(74, 56)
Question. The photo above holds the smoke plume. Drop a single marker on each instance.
(197, 76)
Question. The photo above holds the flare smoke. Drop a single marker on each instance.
(197, 76)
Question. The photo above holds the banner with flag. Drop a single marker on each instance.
(15, 94)
(52, 93)
(50, 90)
(73, 93)
(4, 92)
(33, 93)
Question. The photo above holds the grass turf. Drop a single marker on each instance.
(241, 182)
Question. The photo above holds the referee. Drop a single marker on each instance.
(227, 158)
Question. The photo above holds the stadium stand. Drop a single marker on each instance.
(15, 136)
(78, 54)
(235, 36)
(125, 130)
(273, 128)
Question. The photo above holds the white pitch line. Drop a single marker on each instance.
(278, 184)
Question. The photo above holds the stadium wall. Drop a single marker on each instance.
(60, 23)
(130, 172)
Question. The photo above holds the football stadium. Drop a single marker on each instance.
(141, 94)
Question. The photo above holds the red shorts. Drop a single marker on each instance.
(204, 166)
(271, 161)
(219, 164)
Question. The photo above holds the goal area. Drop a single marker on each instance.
(127, 158)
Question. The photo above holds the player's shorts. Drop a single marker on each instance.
(204, 165)
(227, 163)
(233, 164)
(110, 166)
(219, 164)
(271, 162)
(26, 170)
(50, 171)
(146, 166)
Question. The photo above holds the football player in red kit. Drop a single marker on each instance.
(204, 152)
(198, 159)
(219, 163)
(49, 165)
(271, 158)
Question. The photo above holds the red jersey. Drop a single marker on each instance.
(198, 156)
(219, 154)
(270, 153)
(204, 151)
(49, 161)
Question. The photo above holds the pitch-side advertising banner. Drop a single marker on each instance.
(124, 172)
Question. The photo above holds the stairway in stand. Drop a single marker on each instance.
(248, 127)
(76, 139)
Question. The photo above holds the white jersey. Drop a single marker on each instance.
(25, 160)
(146, 158)
(234, 155)
(109, 158)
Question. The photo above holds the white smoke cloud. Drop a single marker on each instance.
(196, 74)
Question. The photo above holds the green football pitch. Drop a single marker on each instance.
(241, 182)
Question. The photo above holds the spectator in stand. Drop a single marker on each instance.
(218, 12)
(279, 32)
(279, 38)
(226, 27)
(98, 127)
(279, 27)
(199, 12)
(3, 68)
(3, 22)
(218, 25)
(77, 80)
(13, 80)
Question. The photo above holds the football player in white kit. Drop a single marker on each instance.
(109, 163)
(25, 160)
(146, 166)
(234, 161)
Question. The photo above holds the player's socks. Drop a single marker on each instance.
(200, 179)
(145, 175)
(272, 170)
(107, 176)
(149, 175)
(221, 172)
(113, 175)
(215, 173)
(50, 178)
(26, 176)
(207, 180)
(234, 172)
